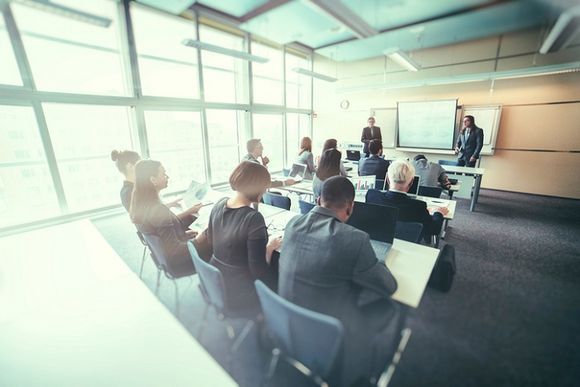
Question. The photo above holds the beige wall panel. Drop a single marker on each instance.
(521, 42)
(544, 173)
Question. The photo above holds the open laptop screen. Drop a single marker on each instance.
(414, 190)
(378, 221)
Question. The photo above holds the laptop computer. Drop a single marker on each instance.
(379, 222)
(363, 183)
(414, 190)
(353, 155)
(297, 171)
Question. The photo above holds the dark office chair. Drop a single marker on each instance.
(375, 196)
(305, 207)
(380, 184)
(432, 192)
(310, 342)
(172, 270)
(277, 200)
(409, 231)
(448, 162)
(214, 293)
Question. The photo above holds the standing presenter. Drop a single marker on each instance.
(371, 132)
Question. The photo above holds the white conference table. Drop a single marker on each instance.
(73, 314)
(477, 174)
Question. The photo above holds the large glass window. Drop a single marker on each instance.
(297, 126)
(175, 140)
(167, 67)
(226, 142)
(26, 189)
(8, 69)
(224, 77)
(297, 85)
(268, 77)
(269, 128)
(69, 55)
(83, 137)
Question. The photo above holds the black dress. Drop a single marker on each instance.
(126, 194)
(239, 237)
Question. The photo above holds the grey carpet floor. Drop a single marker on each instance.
(511, 318)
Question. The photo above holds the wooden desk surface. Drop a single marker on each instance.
(73, 314)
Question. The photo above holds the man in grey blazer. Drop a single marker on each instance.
(469, 143)
(330, 267)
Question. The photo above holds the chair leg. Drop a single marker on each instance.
(158, 282)
(143, 261)
(176, 298)
(387, 375)
(203, 321)
(272, 366)
(242, 336)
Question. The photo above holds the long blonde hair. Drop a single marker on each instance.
(305, 145)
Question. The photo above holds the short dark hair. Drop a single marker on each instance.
(375, 146)
(471, 118)
(251, 179)
(420, 157)
(337, 192)
(252, 144)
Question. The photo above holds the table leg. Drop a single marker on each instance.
(476, 192)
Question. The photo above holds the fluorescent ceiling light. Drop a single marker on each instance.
(300, 70)
(564, 68)
(224, 51)
(566, 27)
(343, 15)
(402, 59)
(71, 13)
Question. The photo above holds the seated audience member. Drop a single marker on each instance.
(331, 143)
(125, 161)
(432, 174)
(330, 267)
(255, 155)
(329, 166)
(238, 237)
(153, 217)
(400, 176)
(305, 157)
(374, 164)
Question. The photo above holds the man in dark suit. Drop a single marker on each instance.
(469, 143)
(371, 132)
(330, 267)
(400, 175)
(374, 164)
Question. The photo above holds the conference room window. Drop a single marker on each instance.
(9, 74)
(298, 86)
(70, 55)
(82, 137)
(226, 130)
(26, 190)
(225, 78)
(167, 68)
(175, 139)
(297, 126)
(269, 128)
(268, 77)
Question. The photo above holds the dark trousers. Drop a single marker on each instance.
(464, 163)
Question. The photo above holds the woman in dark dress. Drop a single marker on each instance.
(238, 237)
(153, 217)
(125, 162)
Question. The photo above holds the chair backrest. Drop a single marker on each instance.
(433, 192)
(447, 162)
(277, 200)
(374, 196)
(409, 231)
(312, 338)
(377, 220)
(305, 207)
(141, 238)
(210, 278)
(380, 184)
(157, 252)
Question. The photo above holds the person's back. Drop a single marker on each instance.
(373, 165)
(432, 174)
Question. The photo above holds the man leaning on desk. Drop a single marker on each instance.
(469, 143)
(255, 155)
(330, 267)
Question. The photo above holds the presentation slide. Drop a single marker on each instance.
(428, 124)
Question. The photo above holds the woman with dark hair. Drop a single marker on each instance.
(329, 166)
(125, 162)
(305, 157)
(153, 217)
(331, 143)
(238, 237)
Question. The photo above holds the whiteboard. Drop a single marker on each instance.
(426, 124)
(486, 117)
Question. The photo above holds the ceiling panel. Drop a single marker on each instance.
(298, 21)
(509, 17)
(172, 6)
(237, 8)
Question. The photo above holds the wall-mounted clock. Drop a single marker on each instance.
(344, 104)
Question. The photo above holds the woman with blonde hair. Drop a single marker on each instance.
(305, 157)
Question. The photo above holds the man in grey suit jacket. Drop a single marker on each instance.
(330, 267)
(469, 143)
